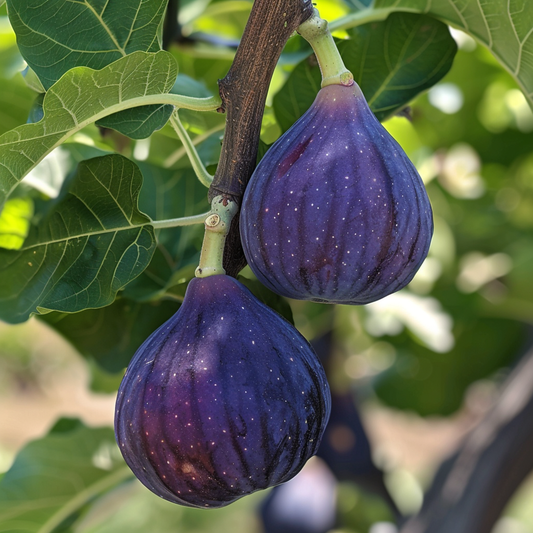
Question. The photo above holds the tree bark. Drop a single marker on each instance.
(243, 92)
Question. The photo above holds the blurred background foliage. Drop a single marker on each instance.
(423, 364)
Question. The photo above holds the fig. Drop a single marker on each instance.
(224, 399)
(335, 212)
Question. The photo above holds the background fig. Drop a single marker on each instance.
(336, 212)
(224, 399)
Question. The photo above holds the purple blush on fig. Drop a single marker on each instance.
(335, 212)
(224, 399)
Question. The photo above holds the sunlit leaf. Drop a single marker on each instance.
(98, 34)
(15, 222)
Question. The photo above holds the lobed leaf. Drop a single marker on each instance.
(80, 97)
(88, 248)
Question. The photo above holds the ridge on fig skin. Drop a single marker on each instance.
(224, 399)
(335, 212)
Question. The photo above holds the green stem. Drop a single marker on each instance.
(181, 151)
(316, 32)
(197, 165)
(211, 103)
(217, 225)
(182, 221)
(362, 17)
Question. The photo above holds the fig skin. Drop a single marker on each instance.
(224, 399)
(335, 212)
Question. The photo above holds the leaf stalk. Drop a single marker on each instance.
(199, 169)
(182, 221)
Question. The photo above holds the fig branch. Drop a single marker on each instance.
(243, 92)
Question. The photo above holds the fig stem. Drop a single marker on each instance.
(316, 32)
(182, 221)
(199, 169)
(217, 225)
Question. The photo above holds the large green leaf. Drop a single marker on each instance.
(503, 26)
(89, 247)
(80, 97)
(54, 477)
(57, 35)
(393, 61)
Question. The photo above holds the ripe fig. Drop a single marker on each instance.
(335, 212)
(224, 399)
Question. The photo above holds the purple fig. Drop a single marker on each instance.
(224, 399)
(335, 212)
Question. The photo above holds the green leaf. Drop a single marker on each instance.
(503, 26)
(139, 122)
(432, 383)
(57, 35)
(80, 97)
(396, 60)
(169, 194)
(90, 246)
(111, 335)
(53, 477)
(392, 61)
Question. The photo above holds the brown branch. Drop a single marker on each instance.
(472, 488)
(243, 92)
